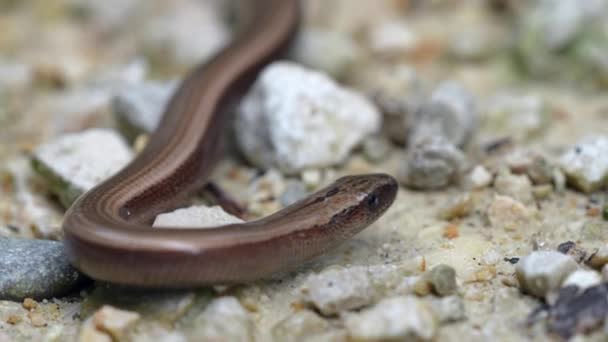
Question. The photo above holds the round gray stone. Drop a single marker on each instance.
(36, 269)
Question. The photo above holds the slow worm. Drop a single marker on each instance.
(106, 231)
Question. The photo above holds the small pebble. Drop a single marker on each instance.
(541, 192)
(14, 319)
(301, 325)
(449, 113)
(29, 304)
(599, 258)
(544, 271)
(432, 164)
(36, 319)
(336, 290)
(583, 279)
(195, 217)
(586, 164)
(400, 318)
(505, 212)
(457, 207)
(518, 187)
(449, 309)
(480, 177)
(224, 319)
(35, 269)
(114, 321)
(442, 279)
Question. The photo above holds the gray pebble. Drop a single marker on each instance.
(443, 279)
(450, 113)
(432, 164)
(36, 269)
(294, 191)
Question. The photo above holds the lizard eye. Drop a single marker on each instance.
(373, 201)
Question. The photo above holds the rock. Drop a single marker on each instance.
(586, 164)
(520, 117)
(223, 319)
(535, 166)
(376, 149)
(518, 187)
(303, 325)
(599, 258)
(576, 312)
(450, 113)
(138, 108)
(88, 333)
(294, 191)
(543, 271)
(480, 177)
(295, 119)
(35, 269)
(113, 321)
(457, 207)
(171, 32)
(583, 279)
(570, 248)
(74, 163)
(442, 279)
(505, 212)
(449, 309)
(340, 51)
(432, 164)
(195, 217)
(336, 290)
(398, 318)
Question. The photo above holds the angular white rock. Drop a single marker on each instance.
(544, 271)
(195, 217)
(80, 161)
(224, 319)
(508, 213)
(586, 164)
(339, 289)
(294, 119)
(480, 177)
(141, 106)
(583, 279)
(400, 318)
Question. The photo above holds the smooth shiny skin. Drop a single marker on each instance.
(107, 233)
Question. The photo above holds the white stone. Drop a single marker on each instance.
(583, 279)
(449, 309)
(327, 51)
(518, 187)
(195, 217)
(339, 289)
(480, 177)
(586, 164)
(544, 271)
(82, 160)
(114, 321)
(224, 319)
(398, 318)
(141, 105)
(505, 212)
(294, 119)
